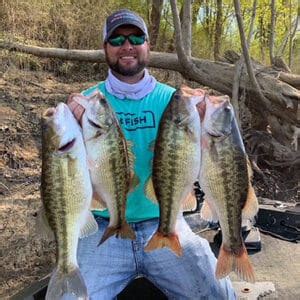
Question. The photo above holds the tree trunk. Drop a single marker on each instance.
(218, 31)
(272, 31)
(279, 95)
(195, 11)
(246, 52)
(239, 66)
(186, 27)
(155, 17)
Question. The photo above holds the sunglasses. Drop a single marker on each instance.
(133, 39)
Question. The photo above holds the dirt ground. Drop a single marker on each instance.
(25, 256)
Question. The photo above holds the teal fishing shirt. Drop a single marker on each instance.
(139, 120)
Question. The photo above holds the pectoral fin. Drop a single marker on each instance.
(134, 182)
(190, 202)
(90, 227)
(97, 202)
(208, 212)
(250, 208)
(150, 191)
(43, 228)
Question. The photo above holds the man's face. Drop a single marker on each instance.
(127, 60)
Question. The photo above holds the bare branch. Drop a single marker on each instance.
(272, 31)
(155, 17)
(246, 52)
(290, 32)
(186, 27)
(218, 31)
(253, 16)
(216, 75)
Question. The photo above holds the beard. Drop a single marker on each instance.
(126, 71)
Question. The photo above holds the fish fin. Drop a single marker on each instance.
(134, 182)
(131, 157)
(208, 212)
(90, 227)
(160, 241)
(150, 191)
(238, 262)
(62, 284)
(250, 208)
(124, 231)
(190, 202)
(97, 202)
(43, 228)
(249, 168)
(109, 231)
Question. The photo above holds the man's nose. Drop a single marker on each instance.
(127, 45)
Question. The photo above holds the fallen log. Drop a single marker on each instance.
(279, 95)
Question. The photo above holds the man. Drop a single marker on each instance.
(139, 102)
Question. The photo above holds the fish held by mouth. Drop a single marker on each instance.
(225, 180)
(66, 195)
(110, 161)
(176, 165)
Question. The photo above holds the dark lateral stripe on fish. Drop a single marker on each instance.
(118, 165)
(231, 163)
(171, 173)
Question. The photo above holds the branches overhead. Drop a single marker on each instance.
(246, 52)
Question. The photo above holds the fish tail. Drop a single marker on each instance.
(66, 284)
(109, 231)
(238, 262)
(159, 241)
(124, 231)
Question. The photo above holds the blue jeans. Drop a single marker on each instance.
(109, 268)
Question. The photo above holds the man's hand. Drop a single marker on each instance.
(77, 103)
(76, 108)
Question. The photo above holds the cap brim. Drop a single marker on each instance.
(136, 24)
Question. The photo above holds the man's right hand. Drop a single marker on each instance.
(78, 102)
(76, 108)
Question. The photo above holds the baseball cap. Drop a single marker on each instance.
(123, 17)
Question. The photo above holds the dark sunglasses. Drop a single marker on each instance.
(133, 39)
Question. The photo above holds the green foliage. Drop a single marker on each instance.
(78, 24)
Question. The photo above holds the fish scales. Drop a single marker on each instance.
(226, 185)
(63, 204)
(114, 171)
(166, 166)
(176, 166)
(66, 193)
(109, 162)
(225, 180)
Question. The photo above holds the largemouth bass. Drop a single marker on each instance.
(109, 161)
(66, 194)
(225, 180)
(176, 165)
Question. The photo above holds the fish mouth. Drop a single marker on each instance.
(92, 123)
(219, 134)
(215, 135)
(67, 146)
